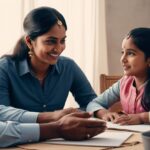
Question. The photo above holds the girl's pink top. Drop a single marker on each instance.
(130, 97)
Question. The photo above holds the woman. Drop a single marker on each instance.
(134, 87)
(35, 77)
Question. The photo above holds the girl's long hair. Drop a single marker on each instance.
(141, 38)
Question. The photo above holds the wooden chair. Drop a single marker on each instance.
(105, 82)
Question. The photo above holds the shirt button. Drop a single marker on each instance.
(44, 106)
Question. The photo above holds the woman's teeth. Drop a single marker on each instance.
(54, 55)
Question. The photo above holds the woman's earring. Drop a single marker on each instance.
(30, 53)
(59, 22)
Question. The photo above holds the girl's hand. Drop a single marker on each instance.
(107, 115)
(128, 119)
(110, 116)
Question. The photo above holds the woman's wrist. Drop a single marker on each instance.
(49, 131)
(45, 117)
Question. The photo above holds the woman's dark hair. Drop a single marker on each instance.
(141, 38)
(37, 22)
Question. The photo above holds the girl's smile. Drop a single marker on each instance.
(133, 59)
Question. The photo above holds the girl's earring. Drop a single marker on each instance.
(30, 53)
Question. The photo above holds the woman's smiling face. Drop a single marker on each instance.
(48, 47)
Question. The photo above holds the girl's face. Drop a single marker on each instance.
(48, 47)
(133, 59)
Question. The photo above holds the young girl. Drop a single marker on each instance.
(133, 89)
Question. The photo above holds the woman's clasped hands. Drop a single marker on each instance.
(69, 124)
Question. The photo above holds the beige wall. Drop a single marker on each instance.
(121, 16)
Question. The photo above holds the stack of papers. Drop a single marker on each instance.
(138, 128)
(108, 138)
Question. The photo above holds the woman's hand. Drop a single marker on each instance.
(46, 117)
(78, 126)
(60, 113)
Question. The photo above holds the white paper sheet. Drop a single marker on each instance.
(139, 128)
(111, 139)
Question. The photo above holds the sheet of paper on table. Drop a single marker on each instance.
(107, 138)
(138, 128)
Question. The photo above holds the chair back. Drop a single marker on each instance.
(105, 82)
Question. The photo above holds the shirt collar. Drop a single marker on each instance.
(57, 68)
(24, 67)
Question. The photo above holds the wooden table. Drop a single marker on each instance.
(133, 143)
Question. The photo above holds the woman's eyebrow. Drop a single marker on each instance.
(55, 38)
(132, 50)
